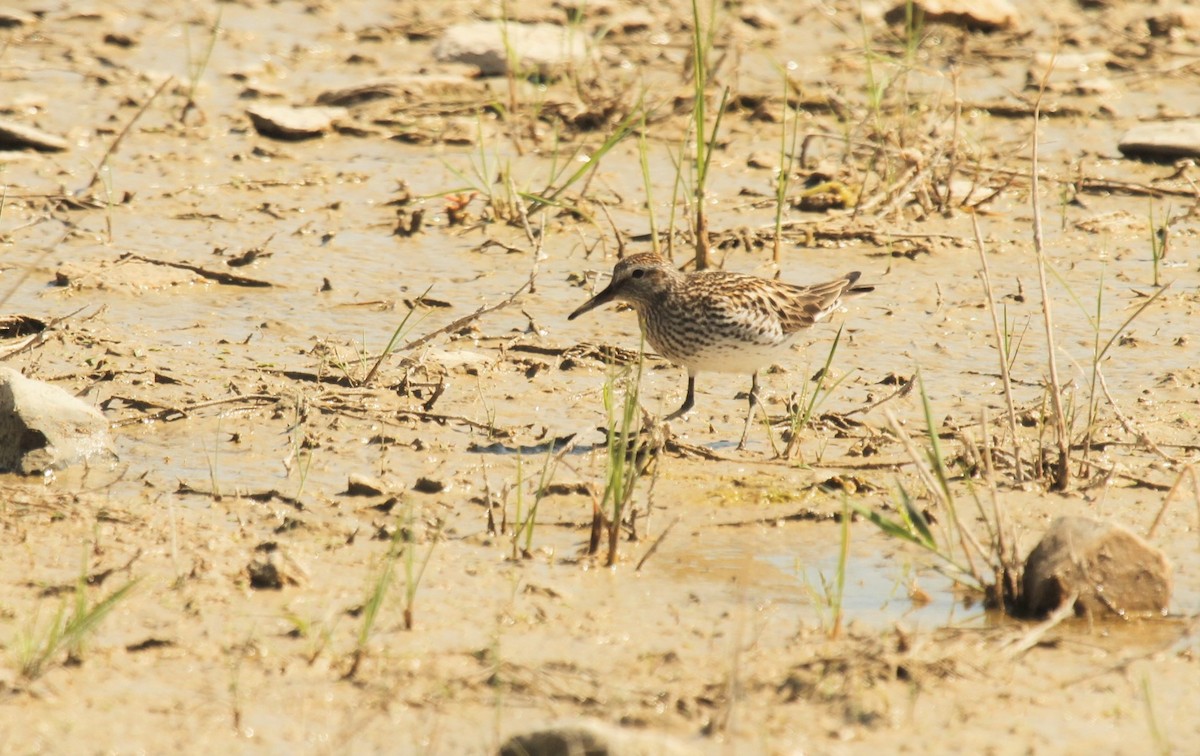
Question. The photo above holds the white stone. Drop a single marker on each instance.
(986, 15)
(536, 48)
(1162, 141)
(283, 122)
(43, 427)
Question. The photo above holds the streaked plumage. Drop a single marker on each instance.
(717, 321)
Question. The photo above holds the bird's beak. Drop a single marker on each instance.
(604, 297)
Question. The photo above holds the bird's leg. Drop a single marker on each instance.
(750, 415)
(689, 401)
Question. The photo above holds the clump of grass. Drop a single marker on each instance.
(839, 583)
(198, 64)
(399, 546)
(958, 552)
(401, 330)
(62, 639)
(1004, 346)
(413, 572)
(379, 587)
(493, 179)
(625, 457)
(806, 406)
(526, 521)
(1159, 241)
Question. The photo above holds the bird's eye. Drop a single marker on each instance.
(638, 273)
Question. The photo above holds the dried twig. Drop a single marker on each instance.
(991, 303)
(654, 546)
(120, 136)
(177, 413)
(1189, 471)
(1128, 425)
(1033, 637)
(457, 324)
(1062, 475)
(220, 276)
(923, 471)
(453, 326)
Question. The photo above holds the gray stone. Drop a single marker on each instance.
(1174, 23)
(416, 86)
(589, 737)
(758, 16)
(544, 49)
(1114, 572)
(364, 485)
(636, 19)
(984, 15)
(1162, 141)
(14, 17)
(42, 427)
(282, 122)
(18, 136)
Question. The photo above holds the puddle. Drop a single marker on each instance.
(200, 188)
(796, 565)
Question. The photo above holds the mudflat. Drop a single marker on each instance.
(316, 271)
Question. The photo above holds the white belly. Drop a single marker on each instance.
(734, 357)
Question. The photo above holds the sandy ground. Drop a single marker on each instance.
(222, 296)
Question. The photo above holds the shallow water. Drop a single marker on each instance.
(512, 641)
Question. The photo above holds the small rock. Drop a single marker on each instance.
(1112, 570)
(429, 486)
(763, 159)
(594, 738)
(1173, 22)
(417, 86)
(1162, 141)
(18, 136)
(12, 17)
(544, 49)
(42, 427)
(758, 16)
(637, 19)
(264, 575)
(593, 8)
(282, 122)
(364, 485)
(118, 39)
(981, 15)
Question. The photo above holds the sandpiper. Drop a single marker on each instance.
(717, 321)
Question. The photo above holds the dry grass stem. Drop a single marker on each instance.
(919, 462)
(1062, 475)
(1187, 472)
(991, 304)
(116, 142)
(657, 542)
(1034, 636)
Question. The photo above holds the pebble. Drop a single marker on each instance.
(542, 48)
(283, 122)
(1162, 141)
(983, 15)
(18, 136)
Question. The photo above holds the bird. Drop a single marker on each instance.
(718, 321)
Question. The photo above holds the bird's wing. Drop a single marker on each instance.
(748, 313)
(799, 307)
